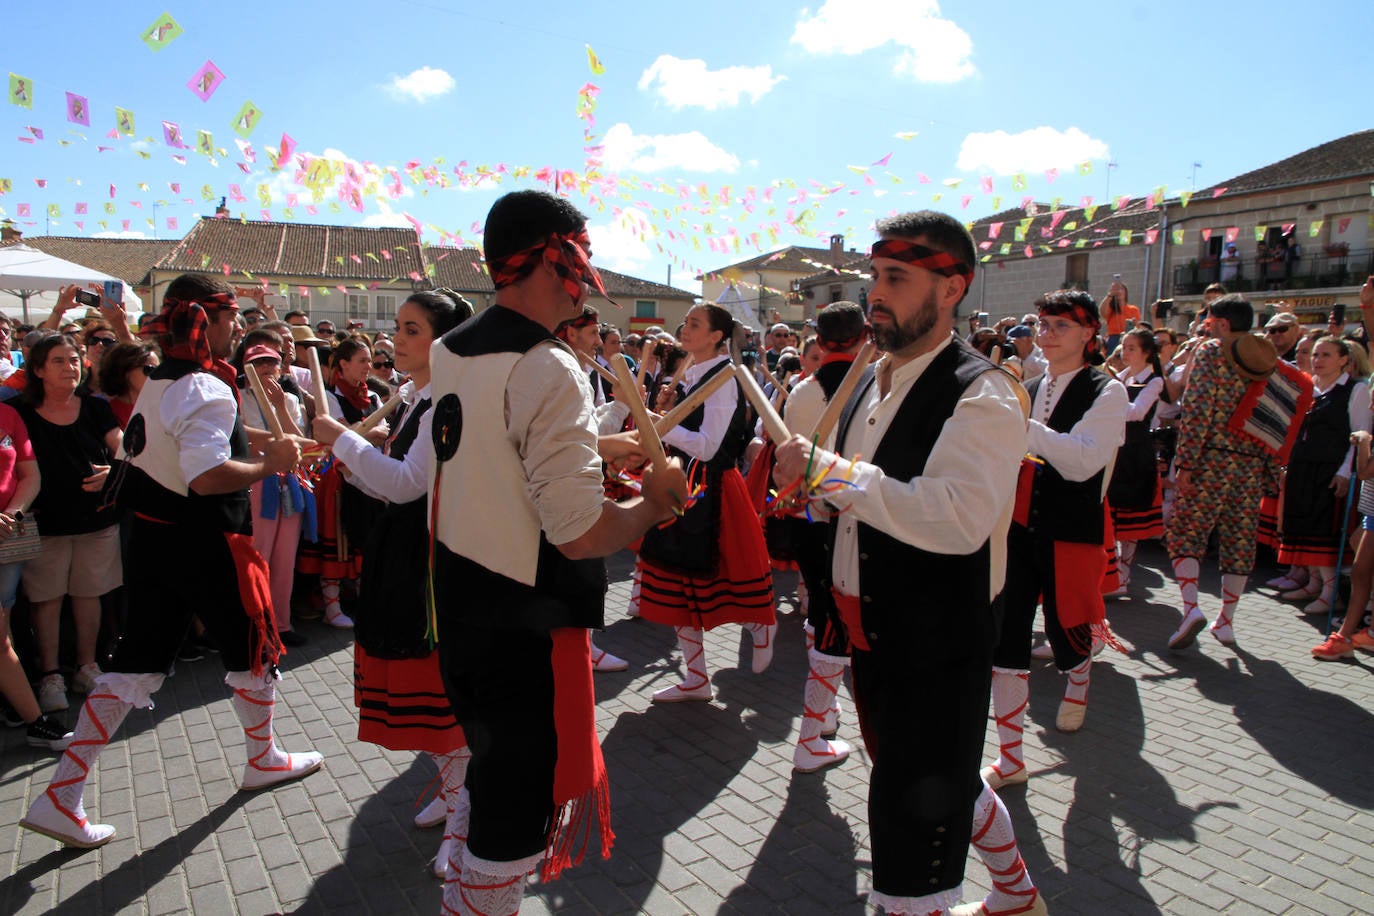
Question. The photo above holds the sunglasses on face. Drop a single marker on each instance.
(382, 364)
(104, 341)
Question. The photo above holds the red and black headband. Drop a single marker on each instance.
(1077, 312)
(182, 325)
(566, 252)
(946, 265)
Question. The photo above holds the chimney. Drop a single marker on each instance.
(837, 244)
(221, 212)
(8, 233)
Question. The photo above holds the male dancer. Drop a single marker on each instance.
(190, 554)
(941, 431)
(841, 331)
(1225, 465)
(1054, 547)
(519, 523)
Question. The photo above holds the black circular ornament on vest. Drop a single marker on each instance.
(135, 436)
(447, 426)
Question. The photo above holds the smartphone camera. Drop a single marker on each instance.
(88, 298)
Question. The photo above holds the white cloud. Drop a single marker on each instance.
(624, 150)
(619, 245)
(681, 83)
(385, 218)
(1033, 150)
(933, 49)
(422, 85)
(127, 234)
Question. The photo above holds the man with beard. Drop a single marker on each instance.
(917, 561)
(190, 553)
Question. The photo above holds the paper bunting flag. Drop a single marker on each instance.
(172, 134)
(287, 150)
(124, 224)
(54, 211)
(6, 185)
(1342, 224)
(41, 182)
(1178, 236)
(1125, 237)
(1232, 233)
(22, 209)
(1315, 229)
(1260, 232)
(1184, 197)
(247, 120)
(109, 207)
(986, 182)
(1085, 167)
(80, 209)
(1018, 181)
(78, 109)
(594, 62)
(206, 81)
(1206, 235)
(172, 223)
(21, 91)
(124, 121)
(1151, 235)
(205, 142)
(1051, 175)
(1218, 192)
(162, 32)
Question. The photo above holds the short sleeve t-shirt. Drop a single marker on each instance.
(66, 456)
(14, 448)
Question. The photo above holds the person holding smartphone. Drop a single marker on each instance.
(1116, 310)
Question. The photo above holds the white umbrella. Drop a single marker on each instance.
(733, 302)
(25, 271)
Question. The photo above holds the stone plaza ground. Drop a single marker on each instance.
(1213, 780)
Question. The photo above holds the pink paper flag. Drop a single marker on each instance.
(986, 182)
(22, 209)
(172, 223)
(175, 186)
(80, 209)
(78, 109)
(205, 81)
(994, 229)
(1218, 192)
(1051, 175)
(288, 147)
(36, 131)
(884, 160)
(1206, 235)
(966, 198)
(1232, 233)
(80, 225)
(172, 134)
(41, 182)
(112, 192)
(1150, 236)
(124, 224)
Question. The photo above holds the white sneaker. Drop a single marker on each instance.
(52, 693)
(84, 682)
(432, 814)
(826, 754)
(1043, 651)
(298, 766)
(46, 818)
(680, 694)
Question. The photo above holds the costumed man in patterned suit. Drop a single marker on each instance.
(1229, 456)
(917, 562)
(519, 524)
(187, 473)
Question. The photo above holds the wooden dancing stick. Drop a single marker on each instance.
(777, 430)
(312, 360)
(600, 369)
(648, 436)
(690, 403)
(783, 390)
(374, 419)
(821, 431)
(268, 412)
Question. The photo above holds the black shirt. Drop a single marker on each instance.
(66, 455)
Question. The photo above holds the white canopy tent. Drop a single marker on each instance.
(26, 272)
(732, 301)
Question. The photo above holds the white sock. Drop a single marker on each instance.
(691, 641)
(1125, 556)
(1232, 587)
(994, 838)
(1010, 693)
(101, 715)
(822, 683)
(1186, 574)
(1076, 690)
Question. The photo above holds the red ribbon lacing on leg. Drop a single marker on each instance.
(103, 740)
(832, 686)
(1006, 881)
(1011, 750)
(256, 733)
(693, 662)
(1229, 599)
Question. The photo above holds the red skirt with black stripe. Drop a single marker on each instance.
(323, 557)
(402, 704)
(1140, 524)
(1268, 535)
(739, 590)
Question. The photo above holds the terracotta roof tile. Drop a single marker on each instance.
(792, 258)
(297, 249)
(1351, 156)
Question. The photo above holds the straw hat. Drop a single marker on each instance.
(1252, 358)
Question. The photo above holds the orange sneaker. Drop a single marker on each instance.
(1363, 639)
(1335, 648)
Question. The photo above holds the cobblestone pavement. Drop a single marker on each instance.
(1216, 780)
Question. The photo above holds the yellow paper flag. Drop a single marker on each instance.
(594, 62)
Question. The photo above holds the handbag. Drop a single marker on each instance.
(23, 544)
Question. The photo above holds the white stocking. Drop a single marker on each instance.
(1010, 693)
(994, 838)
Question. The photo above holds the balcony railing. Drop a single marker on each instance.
(1316, 269)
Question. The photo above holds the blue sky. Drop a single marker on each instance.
(778, 102)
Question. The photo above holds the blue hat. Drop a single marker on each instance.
(1020, 330)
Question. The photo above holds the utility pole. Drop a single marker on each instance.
(1196, 166)
(1111, 164)
(155, 219)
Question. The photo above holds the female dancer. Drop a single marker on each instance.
(342, 508)
(1319, 472)
(709, 567)
(1134, 495)
(397, 687)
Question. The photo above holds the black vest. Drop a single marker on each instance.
(1325, 433)
(736, 434)
(138, 492)
(566, 593)
(391, 619)
(1066, 510)
(1134, 477)
(926, 606)
(831, 375)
